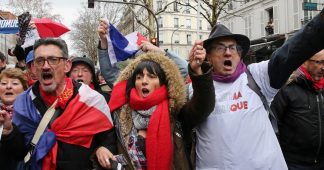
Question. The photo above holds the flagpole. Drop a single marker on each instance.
(198, 14)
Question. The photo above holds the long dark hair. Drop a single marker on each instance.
(152, 67)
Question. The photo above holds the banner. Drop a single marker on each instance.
(8, 26)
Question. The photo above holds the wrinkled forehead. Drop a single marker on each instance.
(47, 50)
(318, 56)
(225, 41)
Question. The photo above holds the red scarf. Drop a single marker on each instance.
(318, 85)
(158, 139)
(78, 123)
(62, 99)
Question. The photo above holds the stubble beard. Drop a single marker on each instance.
(49, 89)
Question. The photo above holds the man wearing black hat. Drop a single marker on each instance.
(238, 133)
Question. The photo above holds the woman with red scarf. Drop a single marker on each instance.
(12, 83)
(299, 107)
(147, 104)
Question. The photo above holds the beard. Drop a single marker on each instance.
(49, 89)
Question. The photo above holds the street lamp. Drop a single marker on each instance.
(173, 33)
(91, 5)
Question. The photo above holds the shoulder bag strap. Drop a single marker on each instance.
(40, 129)
(252, 84)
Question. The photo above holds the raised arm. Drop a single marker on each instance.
(108, 71)
(297, 49)
(202, 101)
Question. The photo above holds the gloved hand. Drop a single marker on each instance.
(19, 52)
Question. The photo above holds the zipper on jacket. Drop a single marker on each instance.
(320, 125)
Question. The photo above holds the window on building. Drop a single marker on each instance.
(269, 28)
(295, 14)
(176, 38)
(188, 23)
(176, 22)
(248, 26)
(175, 7)
(159, 5)
(160, 21)
(160, 38)
(200, 36)
(187, 8)
(230, 6)
(200, 25)
(189, 39)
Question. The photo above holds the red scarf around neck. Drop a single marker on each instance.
(63, 98)
(158, 139)
(318, 85)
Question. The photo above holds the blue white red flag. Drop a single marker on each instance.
(85, 115)
(122, 47)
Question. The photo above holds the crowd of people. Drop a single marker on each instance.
(62, 113)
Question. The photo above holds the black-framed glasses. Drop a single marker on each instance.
(221, 48)
(51, 60)
(319, 62)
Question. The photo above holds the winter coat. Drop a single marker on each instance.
(300, 111)
(180, 110)
(69, 156)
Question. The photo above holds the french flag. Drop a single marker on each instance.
(122, 47)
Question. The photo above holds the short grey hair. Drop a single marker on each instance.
(53, 41)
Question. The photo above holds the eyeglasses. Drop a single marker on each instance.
(221, 48)
(319, 62)
(51, 60)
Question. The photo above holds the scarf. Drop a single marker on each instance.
(77, 125)
(63, 98)
(158, 139)
(141, 118)
(318, 85)
(231, 78)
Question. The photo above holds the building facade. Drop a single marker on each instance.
(7, 40)
(179, 26)
(268, 23)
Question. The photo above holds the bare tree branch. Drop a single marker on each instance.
(37, 8)
(84, 35)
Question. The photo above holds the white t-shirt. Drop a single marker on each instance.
(238, 135)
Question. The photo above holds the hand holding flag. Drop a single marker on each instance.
(119, 47)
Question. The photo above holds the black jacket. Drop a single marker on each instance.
(300, 110)
(68, 156)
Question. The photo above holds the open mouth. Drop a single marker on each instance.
(228, 63)
(8, 93)
(145, 92)
(47, 76)
(79, 80)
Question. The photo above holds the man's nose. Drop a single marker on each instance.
(46, 64)
(79, 73)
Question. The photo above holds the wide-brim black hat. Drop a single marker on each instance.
(220, 31)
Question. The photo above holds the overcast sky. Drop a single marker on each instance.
(68, 9)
